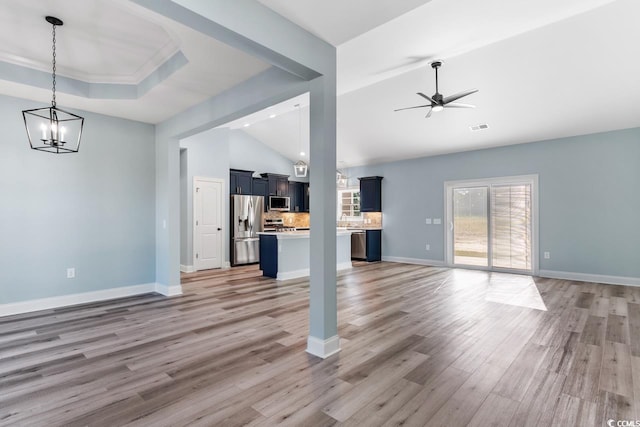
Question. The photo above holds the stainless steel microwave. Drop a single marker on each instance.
(279, 203)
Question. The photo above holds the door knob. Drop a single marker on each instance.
(219, 228)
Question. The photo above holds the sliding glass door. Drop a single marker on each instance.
(491, 223)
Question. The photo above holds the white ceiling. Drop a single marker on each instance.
(544, 69)
(337, 21)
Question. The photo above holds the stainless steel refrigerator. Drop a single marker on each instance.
(246, 222)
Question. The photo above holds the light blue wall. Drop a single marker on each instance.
(206, 155)
(588, 198)
(93, 210)
(249, 153)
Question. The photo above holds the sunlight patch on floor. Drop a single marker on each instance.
(512, 289)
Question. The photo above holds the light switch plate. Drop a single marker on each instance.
(427, 221)
(437, 221)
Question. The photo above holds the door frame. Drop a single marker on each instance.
(488, 182)
(223, 255)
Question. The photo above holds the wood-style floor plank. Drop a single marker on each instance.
(419, 346)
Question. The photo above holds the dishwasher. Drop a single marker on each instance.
(359, 244)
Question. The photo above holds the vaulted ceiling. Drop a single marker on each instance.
(544, 69)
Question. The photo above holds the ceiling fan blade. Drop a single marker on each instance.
(452, 98)
(458, 105)
(411, 108)
(428, 98)
(429, 113)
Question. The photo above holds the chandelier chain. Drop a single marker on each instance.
(53, 99)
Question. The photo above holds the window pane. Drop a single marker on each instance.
(470, 226)
(511, 234)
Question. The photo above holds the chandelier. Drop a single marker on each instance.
(52, 129)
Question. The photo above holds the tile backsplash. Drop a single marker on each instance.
(301, 219)
(291, 219)
(369, 220)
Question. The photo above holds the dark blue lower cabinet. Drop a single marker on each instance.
(374, 245)
(269, 255)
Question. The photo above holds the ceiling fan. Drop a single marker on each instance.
(437, 102)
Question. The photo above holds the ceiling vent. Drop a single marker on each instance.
(479, 127)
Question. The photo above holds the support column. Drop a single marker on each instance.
(323, 340)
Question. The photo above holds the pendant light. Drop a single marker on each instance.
(341, 179)
(300, 167)
(52, 129)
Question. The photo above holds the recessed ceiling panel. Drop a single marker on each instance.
(100, 41)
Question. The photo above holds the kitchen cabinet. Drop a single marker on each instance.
(305, 197)
(278, 184)
(299, 195)
(374, 245)
(261, 188)
(371, 194)
(240, 181)
(296, 194)
(366, 245)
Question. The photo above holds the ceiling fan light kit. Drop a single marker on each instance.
(52, 129)
(437, 102)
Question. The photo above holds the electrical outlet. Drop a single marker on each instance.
(437, 221)
(427, 221)
(71, 273)
(428, 247)
(547, 255)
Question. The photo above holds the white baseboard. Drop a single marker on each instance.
(344, 266)
(323, 348)
(168, 291)
(418, 261)
(295, 274)
(226, 265)
(87, 297)
(74, 299)
(187, 268)
(596, 278)
(564, 275)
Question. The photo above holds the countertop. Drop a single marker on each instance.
(359, 228)
(299, 234)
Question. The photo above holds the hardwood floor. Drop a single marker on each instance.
(420, 346)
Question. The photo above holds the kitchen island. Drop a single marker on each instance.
(286, 255)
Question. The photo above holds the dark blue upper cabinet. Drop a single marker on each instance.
(278, 184)
(305, 197)
(371, 194)
(297, 196)
(261, 188)
(240, 181)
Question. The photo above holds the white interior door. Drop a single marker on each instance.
(207, 223)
